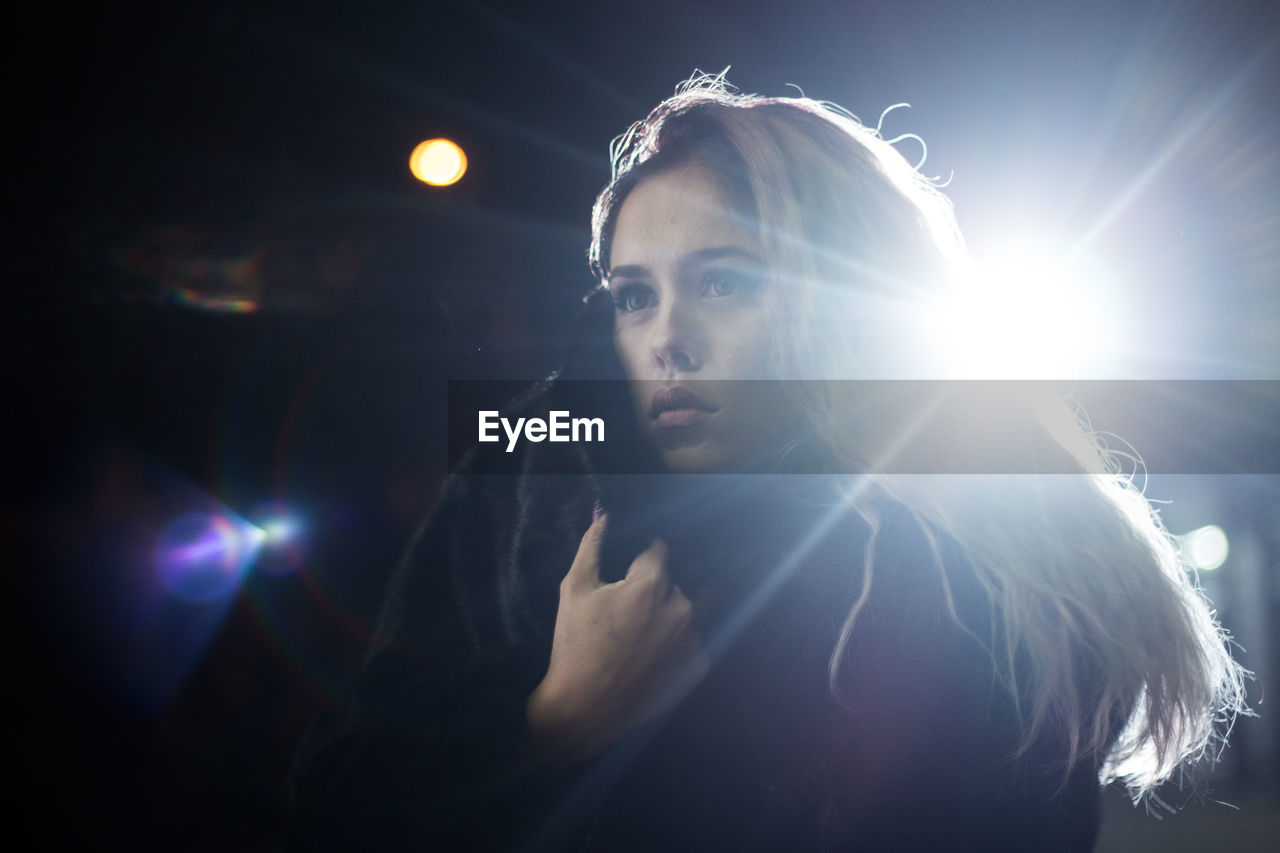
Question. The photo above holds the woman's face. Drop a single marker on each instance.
(688, 281)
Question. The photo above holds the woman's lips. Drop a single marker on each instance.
(679, 407)
(680, 417)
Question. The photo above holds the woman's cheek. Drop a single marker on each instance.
(749, 356)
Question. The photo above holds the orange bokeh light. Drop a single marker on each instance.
(439, 162)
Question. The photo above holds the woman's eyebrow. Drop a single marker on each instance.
(695, 258)
(702, 257)
(718, 253)
(629, 271)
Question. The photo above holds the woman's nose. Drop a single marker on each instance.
(676, 347)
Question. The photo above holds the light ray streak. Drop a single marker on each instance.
(1160, 162)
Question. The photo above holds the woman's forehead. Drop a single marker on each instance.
(674, 213)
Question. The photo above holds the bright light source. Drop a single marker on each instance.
(439, 162)
(281, 546)
(1206, 548)
(1028, 314)
(279, 530)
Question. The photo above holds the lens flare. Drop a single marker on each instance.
(280, 546)
(195, 272)
(202, 556)
(1205, 548)
(438, 162)
(192, 298)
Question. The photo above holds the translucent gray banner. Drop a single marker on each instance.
(869, 426)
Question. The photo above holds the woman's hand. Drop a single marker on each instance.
(621, 652)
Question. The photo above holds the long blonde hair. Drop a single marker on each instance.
(1102, 637)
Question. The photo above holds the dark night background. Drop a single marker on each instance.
(173, 154)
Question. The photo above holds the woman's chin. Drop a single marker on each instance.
(706, 458)
(701, 458)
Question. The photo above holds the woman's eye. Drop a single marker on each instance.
(633, 297)
(729, 282)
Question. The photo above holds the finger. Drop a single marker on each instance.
(650, 569)
(679, 610)
(585, 571)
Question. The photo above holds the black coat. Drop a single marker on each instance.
(434, 752)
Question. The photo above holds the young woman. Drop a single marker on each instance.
(766, 644)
